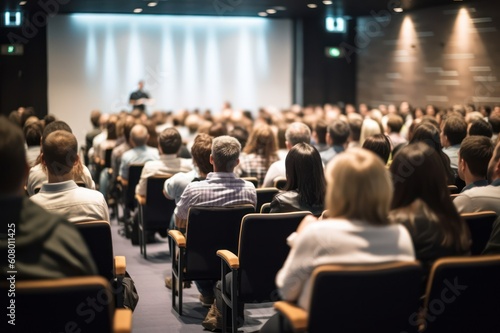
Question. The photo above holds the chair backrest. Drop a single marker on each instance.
(280, 183)
(453, 189)
(365, 298)
(480, 226)
(60, 305)
(210, 229)
(158, 209)
(107, 157)
(252, 180)
(265, 194)
(262, 250)
(463, 295)
(134, 174)
(265, 208)
(97, 236)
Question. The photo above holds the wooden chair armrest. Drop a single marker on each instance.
(140, 199)
(230, 258)
(122, 321)
(120, 265)
(178, 237)
(297, 316)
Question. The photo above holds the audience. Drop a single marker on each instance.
(47, 245)
(393, 126)
(305, 186)
(336, 137)
(480, 127)
(473, 158)
(422, 204)
(357, 229)
(453, 131)
(33, 137)
(380, 145)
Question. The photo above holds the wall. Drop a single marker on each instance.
(442, 56)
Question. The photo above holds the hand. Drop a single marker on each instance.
(306, 221)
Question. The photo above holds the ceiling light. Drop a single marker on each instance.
(271, 11)
(312, 5)
(263, 14)
(138, 10)
(327, 2)
(280, 8)
(152, 4)
(397, 9)
(22, 3)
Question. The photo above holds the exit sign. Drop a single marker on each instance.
(333, 52)
(12, 49)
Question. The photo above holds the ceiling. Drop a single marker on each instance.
(284, 8)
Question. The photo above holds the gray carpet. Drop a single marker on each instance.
(154, 312)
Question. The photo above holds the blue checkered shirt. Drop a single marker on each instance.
(219, 189)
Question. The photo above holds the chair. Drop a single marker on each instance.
(265, 208)
(97, 236)
(463, 295)
(262, 250)
(280, 183)
(360, 298)
(480, 226)
(252, 180)
(453, 189)
(265, 194)
(208, 230)
(155, 211)
(134, 174)
(62, 305)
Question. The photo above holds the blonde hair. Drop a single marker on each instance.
(368, 128)
(359, 187)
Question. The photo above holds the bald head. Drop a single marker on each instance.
(139, 135)
(60, 153)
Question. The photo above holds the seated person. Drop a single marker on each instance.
(47, 245)
(359, 194)
(473, 158)
(380, 145)
(305, 182)
(61, 194)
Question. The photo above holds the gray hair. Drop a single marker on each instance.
(298, 133)
(139, 135)
(225, 153)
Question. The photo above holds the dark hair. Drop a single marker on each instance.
(127, 127)
(12, 157)
(339, 131)
(380, 145)
(240, 134)
(49, 118)
(111, 128)
(33, 134)
(321, 128)
(481, 127)
(170, 141)
(476, 151)
(305, 174)
(57, 125)
(201, 150)
(217, 129)
(355, 128)
(94, 117)
(60, 152)
(418, 173)
(394, 123)
(427, 133)
(494, 120)
(455, 129)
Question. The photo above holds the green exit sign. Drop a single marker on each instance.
(333, 52)
(12, 49)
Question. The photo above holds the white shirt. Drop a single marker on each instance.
(277, 169)
(37, 177)
(478, 199)
(168, 164)
(73, 202)
(339, 241)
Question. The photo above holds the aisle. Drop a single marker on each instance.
(154, 313)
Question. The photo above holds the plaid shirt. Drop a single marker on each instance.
(253, 165)
(220, 189)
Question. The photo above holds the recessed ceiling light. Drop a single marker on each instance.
(152, 4)
(262, 14)
(312, 5)
(398, 9)
(138, 10)
(271, 11)
(22, 3)
(280, 8)
(327, 2)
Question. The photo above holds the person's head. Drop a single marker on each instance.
(355, 121)
(111, 128)
(262, 142)
(241, 134)
(140, 85)
(494, 165)
(13, 165)
(33, 134)
(217, 129)
(474, 155)
(454, 131)
(338, 133)
(297, 133)
(139, 135)
(380, 145)
(305, 174)
(127, 128)
(200, 151)
(60, 153)
(95, 115)
(480, 127)
(359, 187)
(225, 153)
(418, 173)
(427, 133)
(494, 120)
(368, 128)
(320, 130)
(394, 123)
(169, 141)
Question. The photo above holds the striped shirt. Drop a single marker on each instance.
(219, 189)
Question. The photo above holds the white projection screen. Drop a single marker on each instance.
(96, 60)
